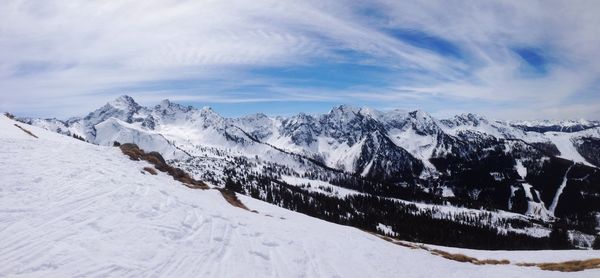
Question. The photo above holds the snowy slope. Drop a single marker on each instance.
(564, 143)
(68, 208)
(114, 130)
(555, 125)
(498, 129)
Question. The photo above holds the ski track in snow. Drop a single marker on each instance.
(559, 191)
(68, 209)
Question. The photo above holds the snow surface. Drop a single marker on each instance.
(68, 208)
(547, 123)
(447, 192)
(535, 209)
(320, 186)
(559, 191)
(420, 146)
(521, 169)
(474, 123)
(564, 144)
(115, 130)
(385, 229)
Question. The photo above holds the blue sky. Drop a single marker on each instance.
(502, 59)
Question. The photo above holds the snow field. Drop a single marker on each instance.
(68, 208)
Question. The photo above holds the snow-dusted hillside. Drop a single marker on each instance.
(69, 208)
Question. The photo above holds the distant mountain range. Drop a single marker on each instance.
(538, 172)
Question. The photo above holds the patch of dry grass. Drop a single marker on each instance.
(232, 199)
(493, 262)
(25, 130)
(132, 151)
(197, 185)
(454, 257)
(394, 241)
(466, 259)
(154, 158)
(447, 255)
(568, 266)
(527, 264)
(571, 266)
(150, 170)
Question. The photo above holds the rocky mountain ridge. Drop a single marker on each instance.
(467, 160)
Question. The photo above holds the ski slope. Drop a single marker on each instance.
(68, 208)
(564, 144)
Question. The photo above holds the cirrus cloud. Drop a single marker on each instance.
(504, 59)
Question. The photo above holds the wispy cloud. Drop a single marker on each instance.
(60, 58)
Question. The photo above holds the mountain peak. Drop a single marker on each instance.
(371, 112)
(343, 112)
(166, 106)
(208, 109)
(344, 108)
(470, 119)
(420, 115)
(208, 112)
(164, 103)
(255, 116)
(125, 103)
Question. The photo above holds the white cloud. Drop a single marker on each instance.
(565, 32)
(66, 57)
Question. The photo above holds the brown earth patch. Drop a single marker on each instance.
(232, 199)
(568, 266)
(154, 158)
(150, 170)
(25, 130)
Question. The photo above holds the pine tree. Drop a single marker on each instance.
(596, 244)
(559, 238)
(233, 185)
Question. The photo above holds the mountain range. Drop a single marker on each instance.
(73, 209)
(523, 177)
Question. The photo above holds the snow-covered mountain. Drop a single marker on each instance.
(560, 126)
(335, 138)
(69, 208)
(464, 161)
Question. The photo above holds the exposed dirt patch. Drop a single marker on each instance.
(389, 239)
(154, 158)
(25, 130)
(231, 198)
(132, 150)
(455, 257)
(492, 262)
(150, 170)
(568, 266)
(526, 264)
(466, 259)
